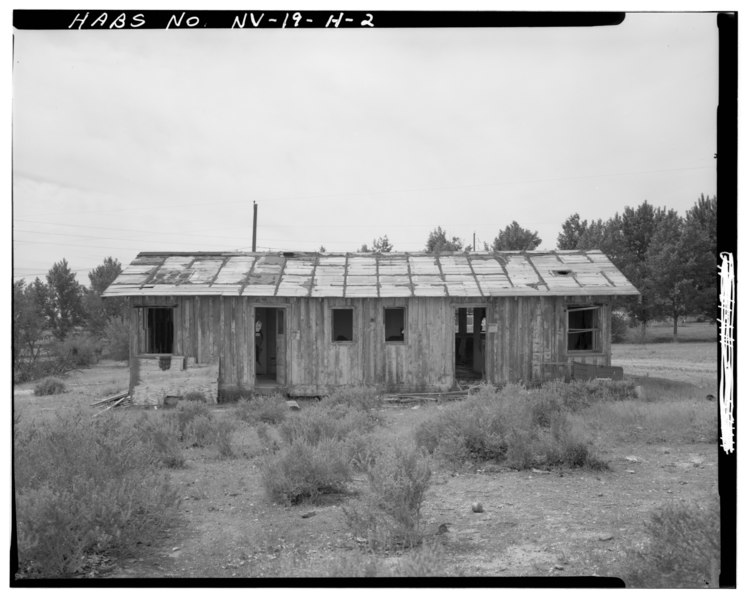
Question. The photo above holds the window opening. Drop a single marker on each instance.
(342, 324)
(583, 328)
(394, 324)
(160, 331)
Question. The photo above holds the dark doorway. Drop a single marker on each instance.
(269, 345)
(159, 338)
(469, 343)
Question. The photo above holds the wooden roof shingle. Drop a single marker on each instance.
(308, 274)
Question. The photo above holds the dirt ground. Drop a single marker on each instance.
(559, 523)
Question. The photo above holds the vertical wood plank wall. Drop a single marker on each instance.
(529, 342)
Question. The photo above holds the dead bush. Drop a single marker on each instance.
(271, 409)
(49, 386)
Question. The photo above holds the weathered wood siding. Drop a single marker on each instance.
(525, 339)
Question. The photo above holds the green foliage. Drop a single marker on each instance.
(271, 409)
(572, 229)
(316, 423)
(304, 471)
(116, 339)
(438, 242)
(162, 435)
(100, 312)
(366, 399)
(380, 245)
(515, 238)
(84, 489)
(28, 326)
(519, 428)
(619, 327)
(75, 351)
(683, 550)
(64, 309)
(49, 386)
(389, 513)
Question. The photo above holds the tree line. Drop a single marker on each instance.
(671, 259)
(59, 324)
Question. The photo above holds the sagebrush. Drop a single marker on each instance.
(85, 488)
(389, 512)
(49, 386)
(683, 549)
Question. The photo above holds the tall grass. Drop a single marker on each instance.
(84, 488)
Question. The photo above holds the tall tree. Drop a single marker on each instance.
(703, 217)
(679, 261)
(638, 226)
(516, 238)
(65, 308)
(29, 324)
(438, 242)
(572, 230)
(99, 311)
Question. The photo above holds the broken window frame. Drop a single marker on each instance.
(150, 335)
(335, 332)
(594, 330)
(403, 339)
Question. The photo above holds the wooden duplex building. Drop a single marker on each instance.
(309, 322)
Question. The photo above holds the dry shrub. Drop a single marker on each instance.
(84, 489)
(162, 435)
(683, 549)
(366, 399)
(513, 426)
(49, 386)
(304, 471)
(271, 409)
(324, 421)
(388, 515)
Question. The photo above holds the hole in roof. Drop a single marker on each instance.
(562, 273)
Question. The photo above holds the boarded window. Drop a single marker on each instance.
(159, 331)
(342, 324)
(394, 324)
(583, 328)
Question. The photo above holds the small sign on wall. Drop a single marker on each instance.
(492, 327)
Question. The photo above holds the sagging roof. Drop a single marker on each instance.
(306, 274)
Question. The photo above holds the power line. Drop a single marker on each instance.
(394, 191)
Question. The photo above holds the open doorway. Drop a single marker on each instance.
(269, 346)
(469, 343)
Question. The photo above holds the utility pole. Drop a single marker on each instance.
(474, 247)
(254, 229)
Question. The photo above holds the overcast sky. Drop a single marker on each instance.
(139, 140)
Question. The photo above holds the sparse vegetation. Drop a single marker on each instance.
(49, 386)
(85, 489)
(305, 471)
(521, 428)
(520, 452)
(388, 515)
(683, 549)
(194, 396)
(270, 409)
